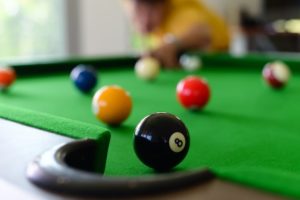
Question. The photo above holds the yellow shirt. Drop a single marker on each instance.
(181, 16)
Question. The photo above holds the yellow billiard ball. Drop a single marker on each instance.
(112, 105)
(147, 68)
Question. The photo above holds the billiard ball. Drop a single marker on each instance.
(112, 105)
(190, 63)
(7, 77)
(147, 68)
(84, 78)
(161, 141)
(276, 74)
(193, 92)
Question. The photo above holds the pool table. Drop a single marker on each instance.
(246, 139)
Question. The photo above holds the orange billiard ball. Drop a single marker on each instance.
(112, 105)
(7, 77)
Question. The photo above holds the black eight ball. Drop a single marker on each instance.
(161, 141)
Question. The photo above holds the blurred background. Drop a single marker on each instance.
(57, 28)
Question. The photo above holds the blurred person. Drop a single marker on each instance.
(168, 28)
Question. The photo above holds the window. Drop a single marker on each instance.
(32, 28)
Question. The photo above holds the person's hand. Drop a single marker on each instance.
(167, 55)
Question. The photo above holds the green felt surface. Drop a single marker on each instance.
(63, 126)
(248, 133)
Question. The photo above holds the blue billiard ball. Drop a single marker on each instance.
(84, 77)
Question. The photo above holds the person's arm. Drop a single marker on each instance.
(196, 38)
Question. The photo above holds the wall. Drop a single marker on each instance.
(100, 27)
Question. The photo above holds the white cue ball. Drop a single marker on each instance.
(147, 68)
(190, 63)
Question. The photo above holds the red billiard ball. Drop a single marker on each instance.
(7, 77)
(276, 74)
(193, 92)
